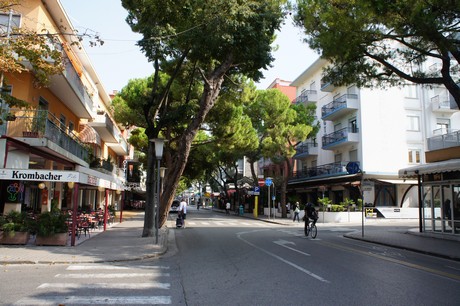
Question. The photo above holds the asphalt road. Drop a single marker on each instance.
(222, 259)
(225, 260)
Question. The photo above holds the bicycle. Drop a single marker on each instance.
(310, 228)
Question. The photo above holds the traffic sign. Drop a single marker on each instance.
(261, 182)
(256, 191)
(268, 181)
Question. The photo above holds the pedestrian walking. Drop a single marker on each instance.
(296, 212)
(183, 211)
(227, 208)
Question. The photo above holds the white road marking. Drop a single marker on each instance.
(109, 275)
(96, 300)
(142, 286)
(283, 244)
(281, 258)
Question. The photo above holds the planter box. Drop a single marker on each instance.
(56, 239)
(15, 238)
(339, 217)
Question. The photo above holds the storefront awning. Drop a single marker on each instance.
(437, 167)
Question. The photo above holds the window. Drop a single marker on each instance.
(71, 126)
(353, 124)
(414, 156)
(442, 126)
(338, 157)
(413, 123)
(354, 155)
(410, 91)
(62, 120)
(314, 163)
(4, 18)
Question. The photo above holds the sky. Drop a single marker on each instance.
(119, 59)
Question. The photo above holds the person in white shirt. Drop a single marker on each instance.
(183, 211)
(227, 208)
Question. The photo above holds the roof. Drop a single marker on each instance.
(437, 167)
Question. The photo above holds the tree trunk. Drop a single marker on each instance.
(212, 87)
(148, 230)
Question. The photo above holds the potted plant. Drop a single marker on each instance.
(15, 228)
(52, 229)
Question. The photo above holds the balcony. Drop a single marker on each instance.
(306, 97)
(340, 107)
(306, 149)
(327, 86)
(69, 88)
(326, 170)
(110, 134)
(448, 140)
(29, 124)
(345, 136)
(444, 104)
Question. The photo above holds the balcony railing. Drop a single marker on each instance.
(444, 103)
(340, 106)
(332, 169)
(306, 96)
(339, 137)
(306, 149)
(327, 86)
(448, 140)
(43, 124)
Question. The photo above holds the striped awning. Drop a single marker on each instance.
(89, 135)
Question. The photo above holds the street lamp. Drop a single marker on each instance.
(159, 143)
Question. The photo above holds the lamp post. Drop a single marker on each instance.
(159, 143)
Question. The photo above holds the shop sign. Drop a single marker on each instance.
(39, 175)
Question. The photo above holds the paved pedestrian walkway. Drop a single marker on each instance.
(124, 242)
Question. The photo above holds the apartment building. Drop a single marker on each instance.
(66, 148)
(366, 137)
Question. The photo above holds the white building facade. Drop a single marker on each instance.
(366, 137)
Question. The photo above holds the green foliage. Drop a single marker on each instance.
(15, 222)
(49, 223)
(384, 43)
(325, 202)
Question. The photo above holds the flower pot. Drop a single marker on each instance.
(15, 238)
(59, 239)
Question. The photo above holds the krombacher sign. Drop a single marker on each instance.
(39, 175)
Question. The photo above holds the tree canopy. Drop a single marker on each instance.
(385, 43)
(199, 45)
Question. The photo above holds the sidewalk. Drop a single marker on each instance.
(123, 242)
(120, 242)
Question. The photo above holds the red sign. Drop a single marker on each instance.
(262, 182)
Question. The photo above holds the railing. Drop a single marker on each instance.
(306, 96)
(305, 148)
(41, 123)
(75, 81)
(443, 141)
(338, 136)
(444, 101)
(337, 104)
(332, 169)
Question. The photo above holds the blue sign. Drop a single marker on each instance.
(273, 198)
(353, 168)
(268, 181)
(256, 189)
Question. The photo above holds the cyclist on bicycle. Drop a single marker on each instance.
(311, 213)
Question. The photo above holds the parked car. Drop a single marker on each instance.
(174, 206)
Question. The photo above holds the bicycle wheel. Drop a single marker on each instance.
(307, 229)
(314, 231)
